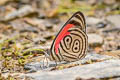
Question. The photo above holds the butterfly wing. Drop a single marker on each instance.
(70, 43)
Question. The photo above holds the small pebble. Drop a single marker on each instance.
(95, 40)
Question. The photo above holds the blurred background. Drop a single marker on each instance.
(28, 27)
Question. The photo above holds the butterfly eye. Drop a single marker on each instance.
(76, 46)
(67, 41)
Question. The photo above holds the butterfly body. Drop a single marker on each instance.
(70, 43)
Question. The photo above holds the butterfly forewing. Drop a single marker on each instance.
(70, 43)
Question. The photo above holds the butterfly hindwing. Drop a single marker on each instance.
(70, 43)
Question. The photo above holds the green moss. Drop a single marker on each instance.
(14, 55)
(113, 12)
(73, 7)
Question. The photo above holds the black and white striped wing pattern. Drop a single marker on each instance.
(71, 42)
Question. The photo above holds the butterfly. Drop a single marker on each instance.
(71, 42)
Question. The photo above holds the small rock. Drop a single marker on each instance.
(93, 21)
(92, 2)
(30, 29)
(101, 25)
(48, 35)
(42, 15)
(48, 25)
(42, 24)
(114, 29)
(39, 40)
(32, 21)
(43, 4)
(2, 2)
(54, 20)
(35, 66)
(109, 2)
(115, 20)
(110, 38)
(95, 40)
(53, 13)
(105, 69)
(24, 11)
(22, 26)
(114, 53)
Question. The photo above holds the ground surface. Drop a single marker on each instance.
(28, 27)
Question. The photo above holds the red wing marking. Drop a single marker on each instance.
(61, 35)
